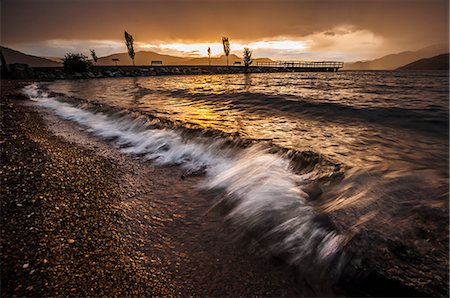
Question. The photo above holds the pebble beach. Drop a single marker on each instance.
(78, 218)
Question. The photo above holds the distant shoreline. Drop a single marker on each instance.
(22, 71)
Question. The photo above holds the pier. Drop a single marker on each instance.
(304, 65)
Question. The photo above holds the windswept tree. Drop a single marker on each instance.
(209, 56)
(247, 58)
(94, 56)
(226, 46)
(129, 42)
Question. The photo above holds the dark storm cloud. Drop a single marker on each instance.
(424, 21)
(348, 29)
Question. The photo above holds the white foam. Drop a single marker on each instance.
(262, 188)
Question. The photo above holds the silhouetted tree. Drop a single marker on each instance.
(226, 46)
(209, 56)
(76, 63)
(93, 55)
(247, 58)
(129, 42)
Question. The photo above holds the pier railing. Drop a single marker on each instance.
(303, 64)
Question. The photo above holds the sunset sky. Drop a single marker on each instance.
(345, 30)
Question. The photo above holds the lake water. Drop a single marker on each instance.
(322, 166)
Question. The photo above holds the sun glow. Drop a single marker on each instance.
(201, 49)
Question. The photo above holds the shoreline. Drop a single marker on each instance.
(23, 71)
(162, 235)
(95, 222)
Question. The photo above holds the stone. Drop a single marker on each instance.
(19, 70)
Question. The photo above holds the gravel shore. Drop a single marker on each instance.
(81, 219)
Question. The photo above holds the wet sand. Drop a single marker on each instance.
(80, 218)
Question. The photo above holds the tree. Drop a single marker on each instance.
(76, 63)
(129, 42)
(209, 56)
(247, 58)
(93, 55)
(226, 46)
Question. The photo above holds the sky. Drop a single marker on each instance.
(342, 30)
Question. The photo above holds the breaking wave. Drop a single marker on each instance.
(264, 194)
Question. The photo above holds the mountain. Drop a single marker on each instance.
(222, 60)
(394, 61)
(12, 56)
(439, 62)
(141, 58)
(56, 59)
(146, 57)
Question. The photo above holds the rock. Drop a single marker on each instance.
(19, 70)
(25, 266)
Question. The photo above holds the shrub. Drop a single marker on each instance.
(247, 57)
(76, 63)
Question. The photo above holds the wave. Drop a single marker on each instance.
(431, 119)
(266, 197)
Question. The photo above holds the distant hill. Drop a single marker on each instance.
(394, 61)
(13, 56)
(222, 60)
(141, 58)
(56, 59)
(439, 62)
(146, 57)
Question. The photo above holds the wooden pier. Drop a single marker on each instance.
(304, 65)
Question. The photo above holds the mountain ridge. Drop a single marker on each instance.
(439, 62)
(396, 60)
(146, 57)
(13, 56)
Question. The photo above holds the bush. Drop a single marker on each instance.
(247, 57)
(76, 63)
